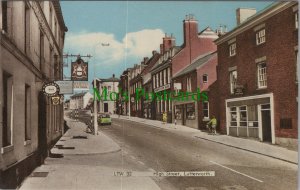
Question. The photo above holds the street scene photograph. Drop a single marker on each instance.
(149, 95)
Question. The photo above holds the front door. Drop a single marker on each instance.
(266, 125)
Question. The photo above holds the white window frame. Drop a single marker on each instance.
(204, 117)
(169, 75)
(188, 84)
(261, 36)
(296, 20)
(206, 78)
(261, 75)
(232, 82)
(232, 49)
(165, 76)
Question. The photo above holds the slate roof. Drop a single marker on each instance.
(196, 63)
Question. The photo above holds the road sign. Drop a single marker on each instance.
(50, 89)
(65, 87)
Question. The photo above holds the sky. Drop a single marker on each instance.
(134, 29)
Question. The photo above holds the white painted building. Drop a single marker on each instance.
(80, 100)
(111, 84)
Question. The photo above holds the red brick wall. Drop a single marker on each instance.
(193, 47)
(281, 67)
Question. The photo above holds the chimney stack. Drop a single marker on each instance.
(168, 42)
(243, 14)
(190, 28)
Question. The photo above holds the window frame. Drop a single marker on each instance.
(204, 117)
(232, 83)
(260, 36)
(260, 75)
(205, 75)
(232, 51)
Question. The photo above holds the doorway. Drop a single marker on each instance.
(105, 107)
(266, 122)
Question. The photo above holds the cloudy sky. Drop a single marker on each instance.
(135, 29)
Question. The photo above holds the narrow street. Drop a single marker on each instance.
(161, 150)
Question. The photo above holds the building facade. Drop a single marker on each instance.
(257, 76)
(80, 100)
(32, 40)
(110, 85)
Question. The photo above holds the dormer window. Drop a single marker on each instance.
(261, 37)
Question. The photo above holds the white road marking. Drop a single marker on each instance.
(132, 157)
(236, 171)
(117, 125)
(141, 162)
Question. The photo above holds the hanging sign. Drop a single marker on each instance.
(79, 70)
(55, 100)
(50, 89)
(65, 87)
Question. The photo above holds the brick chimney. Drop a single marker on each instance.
(161, 48)
(168, 42)
(190, 28)
(243, 14)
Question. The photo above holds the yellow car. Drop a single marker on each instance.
(104, 119)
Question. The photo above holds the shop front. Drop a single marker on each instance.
(185, 114)
(251, 117)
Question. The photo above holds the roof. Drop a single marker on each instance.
(208, 33)
(255, 19)
(196, 63)
(157, 65)
(151, 63)
(111, 79)
(78, 94)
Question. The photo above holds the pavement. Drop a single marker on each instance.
(87, 163)
(250, 145)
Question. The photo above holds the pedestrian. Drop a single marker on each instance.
(164, 117)
(213, 123)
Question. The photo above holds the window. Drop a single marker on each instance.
(153, 82)
(205, 78)
(188, 84)
(260, 37)
(233, 117)
(50, 17)
(262, 75)
(243, 116)
(55, 29)
(297, 68)
(27, 28)
(168, 75)
(4, 16)
(296, 20)
(157, 80)
(165, 76)
(190, 111)
(109, 90)
(160, 78)
(7, 116)
(205, 110)
(42, 51)
(27, 112)
(233, 81)
(232, 49)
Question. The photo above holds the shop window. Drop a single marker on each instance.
(262, 75)
(243, 116)
(252, 116)
(233, 81)
(286, 123)
(178, 112)
(205, 110)
(261, 37)
(232, 49)
(190, 112)
(233, 117)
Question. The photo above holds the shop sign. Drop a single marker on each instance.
(167, 86)
(56, 100)
(239, 90)
(51, 89)
(65, 87)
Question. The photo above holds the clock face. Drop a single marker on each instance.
(51, 89)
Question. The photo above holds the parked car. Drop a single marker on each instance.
(104, 119)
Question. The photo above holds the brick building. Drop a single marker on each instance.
(123, 106)
(31, 46)
(257, 76)
(147, 105)
(161, 77)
